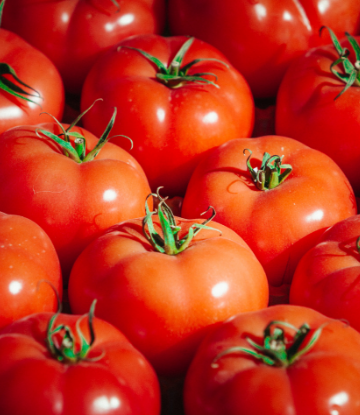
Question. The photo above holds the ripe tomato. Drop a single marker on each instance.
(73, 33)
(163, 301)
(261, 38)
(279, 224)
(315, 373)
(47, 91)
(172, 123)
(326, 278)
(27, 257)
(73, 202)
(308, 111)
(110, 378)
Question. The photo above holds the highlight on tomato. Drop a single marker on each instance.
(276, 193)
(74, 33)
(326, 278)
(61, 364)
(27, 257)
(318, 99)
(71, 183)
(165, 282)
(177, 98)
(281, 360)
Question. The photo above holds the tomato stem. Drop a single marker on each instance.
(175, 76)
(78, 154)
(271, 173)
(170, 243)
(351, 77)
(276, 350)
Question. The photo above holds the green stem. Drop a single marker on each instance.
(170, 243)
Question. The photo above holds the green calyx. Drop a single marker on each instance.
(175, 75)
(276, 350)
(170, 243)
(271, 173)
(65, 351)
(350, 75)
(78, 151)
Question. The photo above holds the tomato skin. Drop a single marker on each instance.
(121, 382)
(171, 128)
(72, 202)
(280, 224)
(324, 379)
(27, 257)
(83, 29)
(165, 304)
(307, 110)
(261, 39)
(26, 61)
(326, 277)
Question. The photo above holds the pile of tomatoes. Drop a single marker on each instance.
(178, 207)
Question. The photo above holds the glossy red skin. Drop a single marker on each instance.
(74, 203)
(37, 71)
(326, 278)
(280, 224)
(74, 33)
(262, 38)
(33, 382)
(165, 304)
(306, 110)
(171, 128)
(27, 257)
(323, 381)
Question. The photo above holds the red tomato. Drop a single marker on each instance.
(308, 111)
(261, 38)
(25, 60)
(171, 126)
(73, 202)
(279, 224)
(326, 278)
(322, 378)
(166, 303)
(113, 378)
(27, 257)
(73, 33)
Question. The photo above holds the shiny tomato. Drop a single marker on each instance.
(172, 123)
(42, 80)
(318, 373)
(165, 301)
(326, 278)
(72, 201)
(41, 375)
(261, 38)
(73, 33)
(310, 110)
(27, 257)
(281, 223)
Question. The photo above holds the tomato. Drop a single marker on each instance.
(46, 92)
(165, 300)
(112, 377)
(319, 376)
(73, 33)
(171, 123)
(72, 201)
(308, 111)
(279, 224)
(27, 257)
(261, 38)
(326, 277)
